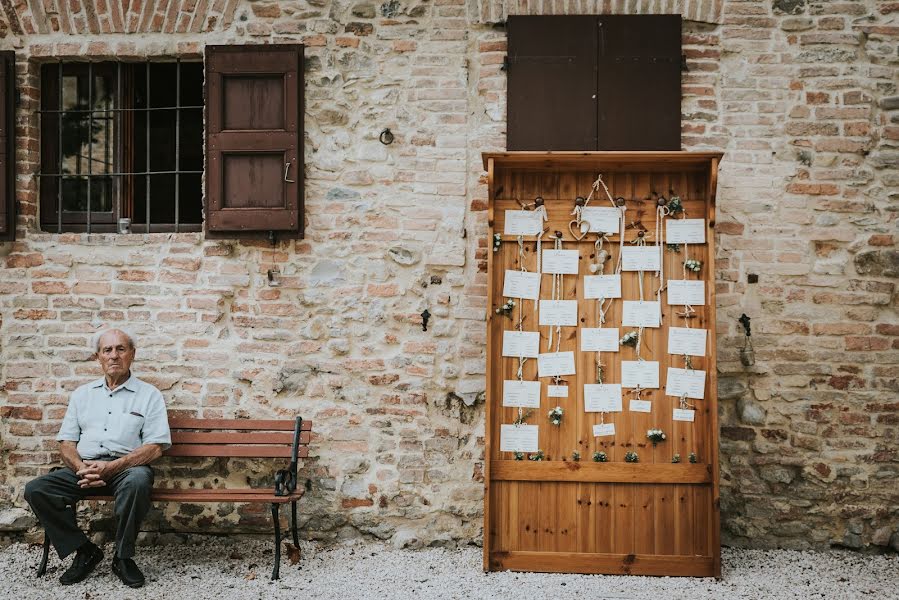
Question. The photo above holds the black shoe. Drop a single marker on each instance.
(127, 572)
(86, 560)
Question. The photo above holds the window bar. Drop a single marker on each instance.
(117, 127)
(147, 100)
(61, 180)
(177, 140)
(90, 138)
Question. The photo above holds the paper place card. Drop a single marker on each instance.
(560, 262)
(685, 231)
(644, 406)
(523, 222)
(521, 343)
(686, 292)
(685, 381)
(558, 312)
(641, 258)
(521, 393)
(551, 364)
(518, 438)
(602, 286)
(603, 218)
(595, 339)
(642, 373)
(604, 429)
(684, 414)
(520, 284)
(557, 391)
(602, 397)
(641, 314)
(686, 340)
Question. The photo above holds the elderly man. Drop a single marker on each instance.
(113, 429)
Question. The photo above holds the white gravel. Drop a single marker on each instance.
(222, 569)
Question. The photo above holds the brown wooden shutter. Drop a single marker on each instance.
(254, 135)
(639, 82)
(7, 145)
(594, 82)
(551, 83)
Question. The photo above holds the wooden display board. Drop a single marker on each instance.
(652, 517)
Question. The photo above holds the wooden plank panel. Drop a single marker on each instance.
(605, 524)
(238, 424)
(244, 451)
(603, 161)
(623, 519)
(610, 472)
(194, 437)
(611, 564)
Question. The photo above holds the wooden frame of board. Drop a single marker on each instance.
(653, 517)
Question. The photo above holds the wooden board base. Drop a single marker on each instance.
(604, 564)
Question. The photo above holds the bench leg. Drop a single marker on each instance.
(293, 523)
(42, 568)
(276, 519)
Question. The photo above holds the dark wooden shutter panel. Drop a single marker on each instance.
(551, 83)
(594, 82)
(254, 136)
(7, 145)
(639, 82)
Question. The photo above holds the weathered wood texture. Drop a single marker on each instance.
(653, 517)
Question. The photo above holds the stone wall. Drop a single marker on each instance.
(802, 96)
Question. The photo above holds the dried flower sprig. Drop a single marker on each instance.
(630, 339)
(655, 436)
(497, 242)
(555, 416)
(631, 457)
(675, 458)
(537, 456)
(576, 456)
(600, 457)
(691, 264)
(506, 309)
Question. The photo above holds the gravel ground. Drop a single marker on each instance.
(221, 569)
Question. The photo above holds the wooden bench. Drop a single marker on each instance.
(244, 438)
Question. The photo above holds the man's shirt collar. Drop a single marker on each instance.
(130, 384)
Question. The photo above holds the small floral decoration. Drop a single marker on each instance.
(673, 247)
(536, 456)
(630, 339)
(519, 456)
(576, 456)
(555, 416)
(691, 264)
(523, 417)
(693, 457)
(675, 458)
(675, 205)
(497, 242)
(655, 436)
(506, 309)
(631, 457)
(600, 457)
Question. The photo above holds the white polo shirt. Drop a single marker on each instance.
(115, 422)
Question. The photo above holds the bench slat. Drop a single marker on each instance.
(238, 424)
(202, 495)
(197, 437)
(237, 451)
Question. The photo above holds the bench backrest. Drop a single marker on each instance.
(247, 438)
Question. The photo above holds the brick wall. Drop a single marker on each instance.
(800, 95)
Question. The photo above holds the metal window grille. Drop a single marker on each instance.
(118, 156)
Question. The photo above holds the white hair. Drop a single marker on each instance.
(95, 340)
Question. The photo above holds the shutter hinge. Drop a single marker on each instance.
(18, 98)
(683, 63)
(505, 65)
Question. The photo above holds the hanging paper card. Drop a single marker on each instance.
(639, 373)
(683, 414)
(604, 429)
(558, 312)
(521, 343)
(518, 438)
(519, 284)
(560, 262)
(686, 340)
(523, 222)
(602, 286)
(595, 339)
(640, 258)
(552, 364)
(521, 393)
(682, 292)
(602, 218)
(644, 406)
(641, 314)
(685, 381)
(602, 397)
(557, 391)
(685, 231)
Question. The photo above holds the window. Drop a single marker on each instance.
(121, 140)
(127, 140)
(609, 82)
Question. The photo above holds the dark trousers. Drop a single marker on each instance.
(52, 497)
